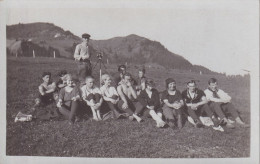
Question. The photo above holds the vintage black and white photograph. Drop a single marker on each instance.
(131, 80)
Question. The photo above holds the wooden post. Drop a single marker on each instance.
(54, 55)
(33, 54)
(107, 61)
(16, 54)
(100, 74)
(200, 73)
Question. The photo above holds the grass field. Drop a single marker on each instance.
(120, 138)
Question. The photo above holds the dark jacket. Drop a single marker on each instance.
(145, 100)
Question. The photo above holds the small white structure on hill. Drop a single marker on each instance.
(57, 35)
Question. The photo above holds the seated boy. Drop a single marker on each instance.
(61, 82)
(128, 97)
(119, 75)
(140, 81)
(196, 104)
(46, 96)
(220, 102)
(92, 96)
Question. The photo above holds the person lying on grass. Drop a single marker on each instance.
(46, 97)
(92, 96)
(149, 102)
(197, 104)
(140, 81)
(173, 104)
(128, 97)
(111, 96)
(220, 103)
(68, 102)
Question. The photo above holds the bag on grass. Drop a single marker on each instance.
(205, 121)
(22, 117)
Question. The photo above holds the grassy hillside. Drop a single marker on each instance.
(117, 138)
(130, 49)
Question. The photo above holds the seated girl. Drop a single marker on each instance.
(173, 104)
(149, 101)
(92, 96)
(68, 102)
(111, 96)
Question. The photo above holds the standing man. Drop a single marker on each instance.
(220, 103)
(82, 56)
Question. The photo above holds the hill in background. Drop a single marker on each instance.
(45, 38)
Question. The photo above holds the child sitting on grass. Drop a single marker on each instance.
(46, 97)
(149, 103)
(92, 96)
(68, 102)
(61, 82)
(173, 104)
(111, 96)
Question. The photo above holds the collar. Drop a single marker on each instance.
(195, 94)
(169, 94)
(212, 90)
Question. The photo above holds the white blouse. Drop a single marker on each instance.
(108, 91)
(86, 92)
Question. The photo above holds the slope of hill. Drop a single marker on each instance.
(136, 49)
(44, 35)
(131, 49)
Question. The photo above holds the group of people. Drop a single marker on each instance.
(135, 98)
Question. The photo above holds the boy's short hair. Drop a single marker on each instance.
(149, 82)
(120, 67)
(62, 73)
(191, 82)
(212, 80)
(127, 74)
(142, 70)
(46, 73)
(89, 77)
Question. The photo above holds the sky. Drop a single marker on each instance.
(220, 35)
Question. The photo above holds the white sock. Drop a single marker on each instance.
(156, 117)
(94, 113)
(160, 115)
(98, 114)
(137, 118)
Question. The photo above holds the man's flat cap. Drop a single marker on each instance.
(87, 36)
